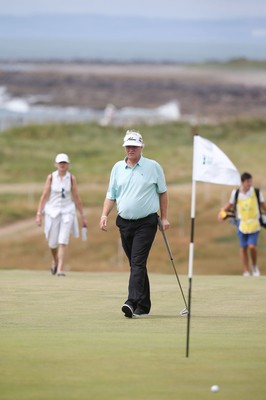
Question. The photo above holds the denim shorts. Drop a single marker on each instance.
(247, 239)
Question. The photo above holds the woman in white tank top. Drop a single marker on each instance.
(58, 203)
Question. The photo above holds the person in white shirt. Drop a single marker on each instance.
(58, 203)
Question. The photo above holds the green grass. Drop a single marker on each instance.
(66, 338)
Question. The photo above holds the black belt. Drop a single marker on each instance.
(139, 219)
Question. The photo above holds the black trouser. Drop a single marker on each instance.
(137, 237)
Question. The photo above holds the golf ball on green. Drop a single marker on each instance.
(215, 388)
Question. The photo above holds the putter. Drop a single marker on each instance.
(185, 310)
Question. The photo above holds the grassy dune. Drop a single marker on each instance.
(27, 154)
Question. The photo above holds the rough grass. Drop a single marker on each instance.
(66, 338)
(27, 153)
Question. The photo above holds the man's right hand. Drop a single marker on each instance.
(103, 223)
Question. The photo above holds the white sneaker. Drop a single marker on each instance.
(246, 273)
(255, 270)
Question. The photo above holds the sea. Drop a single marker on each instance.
(71, 49)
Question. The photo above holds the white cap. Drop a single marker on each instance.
(62, 157)
(133, 138)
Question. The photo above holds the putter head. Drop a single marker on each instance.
(183, 312)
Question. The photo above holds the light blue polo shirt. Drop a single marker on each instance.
(136, 190)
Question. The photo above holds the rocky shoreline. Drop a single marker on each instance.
(215, 93)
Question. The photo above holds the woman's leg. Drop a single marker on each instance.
(66, 225)
(61, 257)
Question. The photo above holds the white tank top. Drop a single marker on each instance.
(60, 200)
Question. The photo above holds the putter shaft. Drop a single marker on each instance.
(171, 258)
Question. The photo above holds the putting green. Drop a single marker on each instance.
(66, 338)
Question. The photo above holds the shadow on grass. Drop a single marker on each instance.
(158, 317)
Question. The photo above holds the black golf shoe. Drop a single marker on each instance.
(127, 310)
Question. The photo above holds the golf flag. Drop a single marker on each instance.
(211, 165)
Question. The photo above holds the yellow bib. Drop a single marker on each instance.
(248, 213)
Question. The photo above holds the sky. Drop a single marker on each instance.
(195, 9)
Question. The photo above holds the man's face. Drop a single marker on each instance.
(133, 152)
(247, 184)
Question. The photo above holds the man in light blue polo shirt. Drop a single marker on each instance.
(138, 187)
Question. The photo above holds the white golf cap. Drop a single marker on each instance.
(133, 138)
(62, 157)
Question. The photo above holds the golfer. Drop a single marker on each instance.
(60, 211)
(137, 186)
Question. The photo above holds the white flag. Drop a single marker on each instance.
(211, 165)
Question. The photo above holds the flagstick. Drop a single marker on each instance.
(210, 165)
(190, 262)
